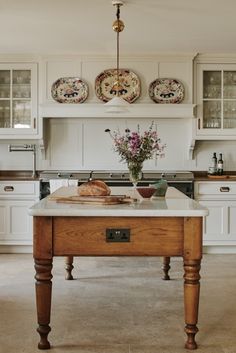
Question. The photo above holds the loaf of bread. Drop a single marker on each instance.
(94, 188)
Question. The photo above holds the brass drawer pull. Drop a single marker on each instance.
(8, 188)
(224, 189)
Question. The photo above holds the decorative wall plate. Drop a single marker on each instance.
(69, 90)
(166, 90)
(129, 82)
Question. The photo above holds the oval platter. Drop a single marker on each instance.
(166, 90)
(69, 90)
(128, 80)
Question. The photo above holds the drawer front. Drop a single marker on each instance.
(216, 188)
(8, 188)
(87, 236)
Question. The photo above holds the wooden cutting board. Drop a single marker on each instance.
(218, 176)
(222, 176)
(101, 200)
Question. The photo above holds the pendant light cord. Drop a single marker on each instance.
(118, 49)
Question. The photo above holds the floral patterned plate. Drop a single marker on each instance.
(166, 90)
(105, 85)
(69, 90)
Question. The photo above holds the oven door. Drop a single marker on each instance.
(185, 187)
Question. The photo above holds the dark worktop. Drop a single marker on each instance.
(17, 175)
(198, 176)
(203, 176)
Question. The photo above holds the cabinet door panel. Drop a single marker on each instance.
(232, 221)
(19, 220)
(3, 220)
(18, 100)
(214, 224)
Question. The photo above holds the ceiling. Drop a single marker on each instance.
(85, 26)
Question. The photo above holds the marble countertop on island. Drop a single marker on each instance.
(175, 204)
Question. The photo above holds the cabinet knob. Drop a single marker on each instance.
(8, 188)
(224, 189)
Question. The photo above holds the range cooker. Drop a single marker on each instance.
(181, 180)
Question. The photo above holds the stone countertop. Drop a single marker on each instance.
(17, 175)
(175, 204)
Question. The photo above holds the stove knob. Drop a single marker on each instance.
(162, 175)
(59, 175)
(110, 175)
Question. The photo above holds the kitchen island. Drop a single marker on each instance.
(170, 226)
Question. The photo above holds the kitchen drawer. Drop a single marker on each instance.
(148, 236)
(21, 188)
(219, 189)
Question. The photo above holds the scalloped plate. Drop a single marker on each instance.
(166, 90)
(69, 90)
(129, 81)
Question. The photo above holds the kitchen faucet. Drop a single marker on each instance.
(25, 148)
(91, 175)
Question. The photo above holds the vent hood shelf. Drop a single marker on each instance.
(98, 110)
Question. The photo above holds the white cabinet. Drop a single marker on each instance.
(18, 100)
(216, 101)
(15, 224)
(219, 197)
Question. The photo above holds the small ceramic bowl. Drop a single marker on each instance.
(146, 191)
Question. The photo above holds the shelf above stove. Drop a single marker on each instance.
(136, 110)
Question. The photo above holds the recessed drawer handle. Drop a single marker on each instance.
(8, 188)
(224, 189)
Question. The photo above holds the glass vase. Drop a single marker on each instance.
(135, 172)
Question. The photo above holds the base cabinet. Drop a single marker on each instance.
(219, 227)
(16, 226)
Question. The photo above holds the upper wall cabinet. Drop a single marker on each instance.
(18, 100)
(216, 101)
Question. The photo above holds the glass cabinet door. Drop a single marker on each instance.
(219, 99)
(16, 103)
(5, 91)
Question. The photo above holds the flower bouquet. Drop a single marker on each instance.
(135, 147)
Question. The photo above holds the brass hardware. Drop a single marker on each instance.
(224, 189)
(118, 26)
(8, 188)
(199, 124)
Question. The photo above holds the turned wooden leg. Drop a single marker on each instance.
(43, 288)
(166, 267)
(69, 267)
(191, 300)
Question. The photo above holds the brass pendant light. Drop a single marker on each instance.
(117, 104)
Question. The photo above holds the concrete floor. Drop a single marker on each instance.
(118, 305)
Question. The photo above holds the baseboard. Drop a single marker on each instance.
(16, 249)
(219, 249)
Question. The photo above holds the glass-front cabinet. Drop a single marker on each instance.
(216, 100)
(18, 100)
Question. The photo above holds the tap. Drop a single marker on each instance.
(25, 148)
(91, 175)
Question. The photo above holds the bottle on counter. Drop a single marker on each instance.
(213, 166)
(220, 165)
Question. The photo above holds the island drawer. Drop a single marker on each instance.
(148, 236)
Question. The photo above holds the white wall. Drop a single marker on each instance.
(78, 144)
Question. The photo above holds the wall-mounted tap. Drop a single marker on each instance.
(90, 176)
(25, 148)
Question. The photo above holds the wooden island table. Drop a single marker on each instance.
(171, 226)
